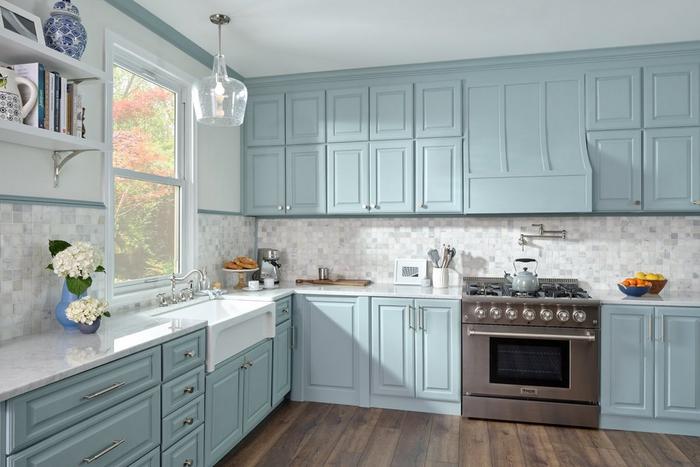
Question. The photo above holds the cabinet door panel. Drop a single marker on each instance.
(627, 361)
(257, 392)
(616, 158)
(347, 114)
(224, 411)
(393, 370)
(613, 99)
(678, 363)
(439, 179)
(672, 169)
(306, 180)
(671, 96)
(391, 177)
(282, 363)
(391, 112)
(306, 117)
(348, 178)
(264, 121)
(265, 189)
(439, 109)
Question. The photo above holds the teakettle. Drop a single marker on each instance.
(524, 281)
(11, 106)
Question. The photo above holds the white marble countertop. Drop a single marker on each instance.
(30, 362)
(373, 290)
(665, 298)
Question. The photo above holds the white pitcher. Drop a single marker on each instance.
(11, 106)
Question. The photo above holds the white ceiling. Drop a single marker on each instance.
(273, 37)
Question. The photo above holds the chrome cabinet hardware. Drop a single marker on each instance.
(411, 321)
(696, 202)
(637, 202)
(188, 421)
(662, 331)
(374, 206)
(421, 318)
(285, 310)
(289, 208)
(189, 354)
(189, 390)
(293, 340)
(364, 206)
(105, 451)
(280, 208)
(421, 206)
(104, 391)
(246, 365)
(526, 335)
(651, 328)
(188, 463)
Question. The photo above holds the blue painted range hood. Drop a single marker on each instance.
(525, 145)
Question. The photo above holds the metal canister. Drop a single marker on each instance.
(323, 274)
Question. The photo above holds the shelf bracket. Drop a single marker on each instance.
(60, 159)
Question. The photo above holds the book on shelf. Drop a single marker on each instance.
(35, 73)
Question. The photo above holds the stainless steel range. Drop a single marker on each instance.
(531, 357)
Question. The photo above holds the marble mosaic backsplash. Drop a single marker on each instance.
(599, 250)
(224, 237)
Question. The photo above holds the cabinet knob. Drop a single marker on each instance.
(374, 206)
(421, 206)
(364, 206)
(188, 421)
(289, 208)
(637, 202)
(280, 208)
(189, 354)
(189, 390)
(696, 202)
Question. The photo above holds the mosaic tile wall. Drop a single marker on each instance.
(28, 291)
(221, 238)
(599, 250)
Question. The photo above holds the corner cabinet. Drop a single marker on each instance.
(651, 369)
(616, 158)
(264, 121)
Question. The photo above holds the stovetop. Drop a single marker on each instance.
(549, 289)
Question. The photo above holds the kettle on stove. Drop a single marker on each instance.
(523, 281)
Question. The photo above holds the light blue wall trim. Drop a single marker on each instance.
(167, 32)
(219, 213)
(11, 199)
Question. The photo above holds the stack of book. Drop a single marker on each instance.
(59, 106)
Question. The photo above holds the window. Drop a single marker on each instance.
(149, 197)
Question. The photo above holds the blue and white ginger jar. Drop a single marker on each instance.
(63, 30)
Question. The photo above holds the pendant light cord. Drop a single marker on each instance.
(220, 39)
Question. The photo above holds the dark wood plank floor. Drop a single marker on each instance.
(311, 434)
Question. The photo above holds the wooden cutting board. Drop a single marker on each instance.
(345, 282)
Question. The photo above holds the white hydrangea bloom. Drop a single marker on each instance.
(86, 310)
(77, 261)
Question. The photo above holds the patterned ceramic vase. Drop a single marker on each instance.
(90, 328)
(66, 299)
(63, 30)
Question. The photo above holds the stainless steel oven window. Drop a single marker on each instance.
(530, 362)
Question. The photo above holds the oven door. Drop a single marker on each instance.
(530, 362)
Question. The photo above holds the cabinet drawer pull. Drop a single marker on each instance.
(104, 391)
(105, 451)
(409, 308)
(189, 354)
(189, 390)
(188, 421)
(188, 463)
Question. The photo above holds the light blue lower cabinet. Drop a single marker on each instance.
(282, 362)
(393, 347)
(182, 390)
(152, 459)
(188, 452)
(257, 385)
(115, 437)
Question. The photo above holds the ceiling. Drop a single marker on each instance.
(274, 37)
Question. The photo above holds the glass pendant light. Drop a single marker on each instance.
(218, 99)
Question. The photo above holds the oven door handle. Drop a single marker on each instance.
(588, 337)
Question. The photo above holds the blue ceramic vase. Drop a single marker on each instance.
(66, 299)
(90, 328)
(64, 32)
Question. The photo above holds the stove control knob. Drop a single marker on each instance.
(528, 314)
(480, 312)
(511, 313)
(579, 316)
(546, 314)
(563, 316)
(496, 313)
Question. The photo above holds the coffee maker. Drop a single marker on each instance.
(268, 259)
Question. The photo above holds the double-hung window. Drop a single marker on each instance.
(149, 232)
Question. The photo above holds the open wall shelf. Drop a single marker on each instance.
(25, 135)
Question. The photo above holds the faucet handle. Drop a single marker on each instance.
(162, 300)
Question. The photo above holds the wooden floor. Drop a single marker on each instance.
(324, 434)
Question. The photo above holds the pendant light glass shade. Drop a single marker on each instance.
(218, 99)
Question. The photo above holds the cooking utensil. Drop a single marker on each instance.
(434, 257)
(524, 281)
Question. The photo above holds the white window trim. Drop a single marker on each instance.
(145, 62)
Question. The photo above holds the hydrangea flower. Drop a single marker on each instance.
(87, 310)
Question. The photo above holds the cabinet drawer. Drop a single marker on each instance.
(152, 459)
(39, 414)
(183, 354)
(182, 390)
(116, 437)
(283, 310)
(188, 452)
(182, 422)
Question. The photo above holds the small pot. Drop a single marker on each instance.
(524, 281)
(90, 328)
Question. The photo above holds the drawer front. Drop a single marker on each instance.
(116, 437)
(188, 452)
(283, 310)
(182, 390)
(182, 422)
(39, 414)
(152, 459)
(183, 354)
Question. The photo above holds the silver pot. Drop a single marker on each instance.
(524, 280)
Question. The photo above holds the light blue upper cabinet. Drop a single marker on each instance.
(257, 385)
(672, 169)
(614, 99)
(439, 175)
(306, 117)
(671, 96)
(393, 372)
(627, 361)
(347, 114)
(524, 149)
(265, 181)
(438, 359)
(391, 178)
(616, 157)
(391, 112)
(264, 121)
(348, 178)
(439, 109)
(306, 180)
(678, 363)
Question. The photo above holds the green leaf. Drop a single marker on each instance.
(78, 286)
(100, 269)
(57, 246)
(50, 267)
(107, 314)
